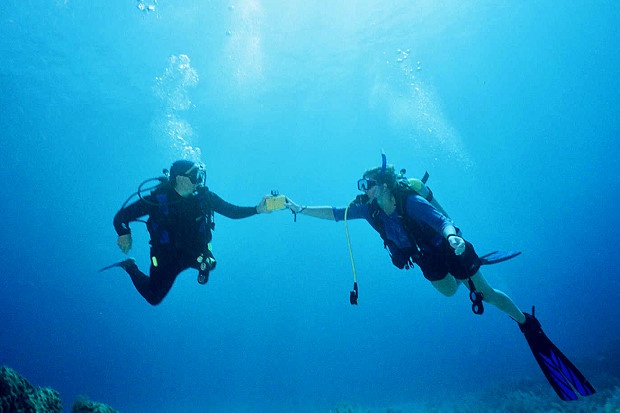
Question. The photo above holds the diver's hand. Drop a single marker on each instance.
(457, 243)
(293, 206)
(261, 208)
(124, 242)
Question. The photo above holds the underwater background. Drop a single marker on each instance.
(512, 107)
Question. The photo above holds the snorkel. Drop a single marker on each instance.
(383, 164)
(381, 177)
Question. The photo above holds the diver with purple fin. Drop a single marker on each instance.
(416, 230)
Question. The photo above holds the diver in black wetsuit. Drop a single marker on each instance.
(180, 223)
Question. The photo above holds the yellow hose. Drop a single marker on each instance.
(346, 230)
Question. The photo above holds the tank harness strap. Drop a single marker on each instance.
(207, 211)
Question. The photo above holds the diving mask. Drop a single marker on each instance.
(365, 184)
(196, 174)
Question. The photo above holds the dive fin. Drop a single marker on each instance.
(122, 264)
(498, 256)
(563, 376)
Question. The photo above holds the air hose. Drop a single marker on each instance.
(354, 293)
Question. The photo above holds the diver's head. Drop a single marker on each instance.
(378, 183)
(184, 172)
(379, 176)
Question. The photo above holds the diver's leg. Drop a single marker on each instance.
(447, 285)
(140, 280)
(496, 297)
(162, 277)
(155, 287)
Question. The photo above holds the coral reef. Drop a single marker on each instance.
(83, 405)
(606, 400)
(17, 395)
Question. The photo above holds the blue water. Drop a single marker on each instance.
(512, 107)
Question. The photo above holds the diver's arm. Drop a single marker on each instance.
(421, 209)
(449, 230)
(121, 223)
(356, 211)
(130, 213)
(234, 211)
(323, 212)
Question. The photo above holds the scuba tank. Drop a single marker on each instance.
(420, 188)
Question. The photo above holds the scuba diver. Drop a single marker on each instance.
(180, 211)
(416, 230)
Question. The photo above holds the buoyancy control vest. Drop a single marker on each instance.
(417, 232)
(164, 217)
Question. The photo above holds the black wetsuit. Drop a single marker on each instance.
(180, 230)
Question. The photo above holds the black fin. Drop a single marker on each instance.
(122, 264)
(563, 376)
(498, 256)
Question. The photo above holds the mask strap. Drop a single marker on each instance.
(194, 166)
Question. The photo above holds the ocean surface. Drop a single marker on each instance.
(513, 107)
